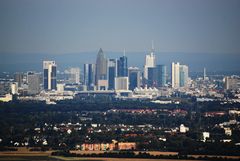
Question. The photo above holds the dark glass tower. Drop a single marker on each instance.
(89, 75)
(122, 67)
(134, 78)
(152, 76)
(112, 73)
(161, 75)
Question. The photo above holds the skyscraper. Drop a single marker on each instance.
(150, 62)
(175, 75)
(122, 67)
(73, 75)
(161, 75)
(179, 75)
(101, 67)
(89, 76)
(152, 77)
(183, 71)
(18, 77)
(49, 75)
(33, 80)
(204, 74)
(134, 77)
(112, 73)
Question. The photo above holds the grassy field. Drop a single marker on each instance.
(46, 158)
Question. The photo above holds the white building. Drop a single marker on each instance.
(205, 135)
(14, 88)
(175, 75)
(183, 129)
(150, 62)
(121, 83)
(179, 75)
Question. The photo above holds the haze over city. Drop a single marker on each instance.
(44, 29)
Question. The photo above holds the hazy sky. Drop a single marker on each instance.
(68, 26)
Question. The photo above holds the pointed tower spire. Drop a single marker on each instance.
(124, 54)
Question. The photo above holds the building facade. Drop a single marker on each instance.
(112, 73)
(101, 67)
(49, 75)
(134, 77)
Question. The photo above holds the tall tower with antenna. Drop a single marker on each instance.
(150, 62)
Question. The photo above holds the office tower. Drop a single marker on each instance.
(89, 76)
(179, 75)
(101, 67)
(183, 71)
(49, 75)
(150, 62)
(232, 83)
(134, 77)
(14, 88)
(161, 75)
(175, 75)
(112, 73)
(122, 66)
(86, 75)
(152, 76)
(204, 73)
(18, 77)
(73, 75)
(121, 83)
(33, 80)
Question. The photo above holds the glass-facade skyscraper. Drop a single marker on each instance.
(161, 75)
(101, 66)
(112, 73)
(122, 67)
(134, 77)
(49, 75)
(89, 75)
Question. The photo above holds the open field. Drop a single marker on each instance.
(32, 158)
(24, 154)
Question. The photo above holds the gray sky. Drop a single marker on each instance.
(68, 26)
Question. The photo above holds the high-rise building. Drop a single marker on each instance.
(86, 74)
(183, 71)
(204, 74)
(157, 76)
(179, 75)
(89, 76)
(150, 62)
(122, 67)
(14, 88)
(49, 75)
(121, 83)
(161, 75)
(134, 77)
(101, 67)
(232, 83)
(112, 73)
(175, 75)
(33, 80)
(73, 75)
(18, 77)
(152, 76)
